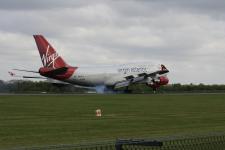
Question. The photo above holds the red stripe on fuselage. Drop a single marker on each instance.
(67, 75)
(59, 74)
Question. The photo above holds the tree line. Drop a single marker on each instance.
(21, 86)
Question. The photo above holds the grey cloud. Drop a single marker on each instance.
(154, 8)
(181, 34)
(40, 4)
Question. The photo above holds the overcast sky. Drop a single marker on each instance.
(188, 36)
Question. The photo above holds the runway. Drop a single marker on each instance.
(73, 94)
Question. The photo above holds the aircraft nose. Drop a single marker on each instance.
(163, 80)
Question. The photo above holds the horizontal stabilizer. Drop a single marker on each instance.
(30, 77)
(26, 70)
(19, 76)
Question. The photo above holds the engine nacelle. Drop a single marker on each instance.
(160, 81)
(163, 80)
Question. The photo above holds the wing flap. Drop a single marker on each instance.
(122, 84)
(138, 79)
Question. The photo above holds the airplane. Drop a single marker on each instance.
(107, 78)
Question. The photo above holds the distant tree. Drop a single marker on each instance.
(3, 87)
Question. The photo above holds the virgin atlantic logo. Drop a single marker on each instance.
(49, 59)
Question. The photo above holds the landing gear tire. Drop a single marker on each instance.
(127, 91)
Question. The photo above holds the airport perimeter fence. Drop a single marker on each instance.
(213, 142)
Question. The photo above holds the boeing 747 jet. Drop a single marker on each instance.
(113, 78)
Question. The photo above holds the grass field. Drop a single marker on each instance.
(47, 120)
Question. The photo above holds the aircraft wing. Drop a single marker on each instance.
(139, 78)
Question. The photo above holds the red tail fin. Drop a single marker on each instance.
(49, 56)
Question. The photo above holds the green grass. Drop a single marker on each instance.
(47, 120)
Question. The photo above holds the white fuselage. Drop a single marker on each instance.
(94, 76)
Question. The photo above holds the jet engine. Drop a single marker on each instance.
(157, 82)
